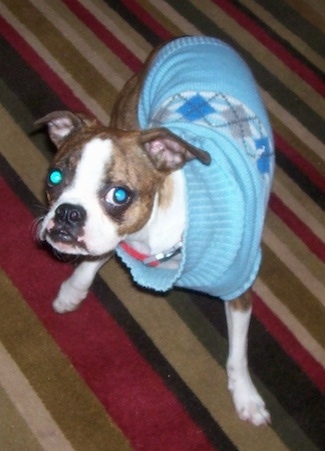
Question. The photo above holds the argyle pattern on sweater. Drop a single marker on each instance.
(223, 113)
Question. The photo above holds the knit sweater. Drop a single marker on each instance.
(201, 90)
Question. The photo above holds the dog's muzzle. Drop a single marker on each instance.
(69, 220)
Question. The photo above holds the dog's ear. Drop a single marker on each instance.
(167, 151)
(61, 124)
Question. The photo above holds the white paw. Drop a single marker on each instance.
(251, 407)
(248, 403)
(68, 299)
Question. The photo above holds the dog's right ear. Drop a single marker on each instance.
(169, 152)
(61, 124)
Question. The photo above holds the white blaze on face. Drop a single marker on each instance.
(91, 167)
(100, 232)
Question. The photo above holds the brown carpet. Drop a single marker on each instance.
(129, 369)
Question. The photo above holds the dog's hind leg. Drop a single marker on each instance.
(75, 289)
(249, 404)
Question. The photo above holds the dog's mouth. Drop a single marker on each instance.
(65, 240)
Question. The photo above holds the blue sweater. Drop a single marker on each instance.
(200, 89)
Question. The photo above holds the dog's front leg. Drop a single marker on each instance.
(74, 290)
(249, 404)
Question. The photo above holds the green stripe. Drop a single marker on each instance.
(293, 293)
(294, 22)
(64, 52)
(71, 403)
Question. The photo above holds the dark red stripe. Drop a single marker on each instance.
(133, 394)
(40, 66)
(309, 170)
(298, 227)
(147, 19)
(109, 39)
(307, 74)
(289, 343)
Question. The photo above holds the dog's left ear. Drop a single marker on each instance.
(61, 124)
(167, 151)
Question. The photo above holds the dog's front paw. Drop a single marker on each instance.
(248, 403)
(69, 298)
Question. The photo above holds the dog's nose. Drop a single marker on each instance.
(70, 214)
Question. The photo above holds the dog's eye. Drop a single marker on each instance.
(117, 195)
(55, 177)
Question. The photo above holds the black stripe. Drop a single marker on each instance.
(294, 22)
(279, 373)
(127, 15)
(26, 96)
(297, 175)
(31, 90)
(286, 44)
(20, 189)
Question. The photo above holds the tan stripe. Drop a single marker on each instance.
(30, 406)
(290, 321)
(312, 10)
(177, 19)
(285, 33)
(110, 70)
(33, 167)
(295, 125)
(14, 432)
(84, 85)
(73, 407)
(301, 204)
(288, 258)
(161, 17)
(178, 344)
(314, 156)
(284, 283)
(302, 256)
(272, 63)
(117, 26)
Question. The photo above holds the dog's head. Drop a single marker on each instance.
(103, 182)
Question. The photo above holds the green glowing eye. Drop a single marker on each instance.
(55, 177)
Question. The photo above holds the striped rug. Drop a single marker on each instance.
(129, 369)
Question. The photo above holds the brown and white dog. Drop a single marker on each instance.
(121, 183)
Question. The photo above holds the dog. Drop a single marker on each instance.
(177, 185)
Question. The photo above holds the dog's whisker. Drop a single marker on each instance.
(36, 228)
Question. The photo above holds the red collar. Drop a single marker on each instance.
(137, 255)
(152, 260)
